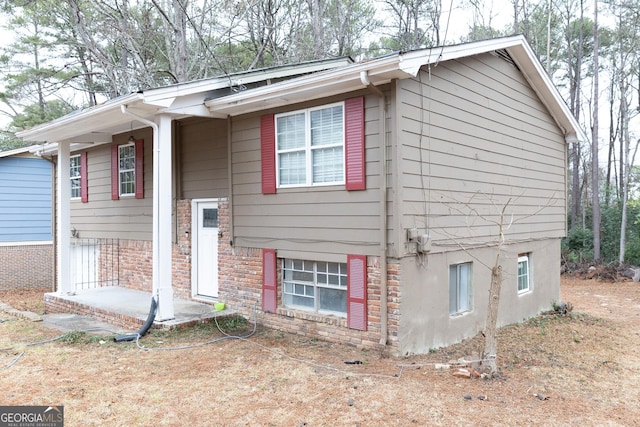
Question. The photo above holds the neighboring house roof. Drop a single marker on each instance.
(205, 98)
(18, 151)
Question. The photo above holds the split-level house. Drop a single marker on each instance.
(362, 203)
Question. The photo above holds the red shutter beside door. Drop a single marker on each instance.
(139, 147)
(84, 187)
(354, 144)
(357, 292)
(115, 178)
(268, 153)
(269, 281)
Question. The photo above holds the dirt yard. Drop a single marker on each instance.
(581, 369)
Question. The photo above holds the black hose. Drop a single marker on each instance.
(145, 327)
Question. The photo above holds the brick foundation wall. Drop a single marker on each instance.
(26, 266)
(240, 286)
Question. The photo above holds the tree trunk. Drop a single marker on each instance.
(180, 34)
(490, 330)
(594, 143)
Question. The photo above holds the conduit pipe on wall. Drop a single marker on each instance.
(382, 108)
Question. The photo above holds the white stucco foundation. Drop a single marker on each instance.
(425, 322)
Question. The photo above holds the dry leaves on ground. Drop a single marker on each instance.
(580, 369)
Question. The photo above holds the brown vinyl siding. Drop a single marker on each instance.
(201, 152)
(126, 218)
(473, 135)
(203, 158)
(320, 220)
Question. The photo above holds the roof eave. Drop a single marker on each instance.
(540, 81)
(74, 125)
(313, 86)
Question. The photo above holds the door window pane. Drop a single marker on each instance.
(210, 218)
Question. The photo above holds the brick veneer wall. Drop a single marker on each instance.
(240, 286)
(181, 278)
(26, 266)
(136, 265)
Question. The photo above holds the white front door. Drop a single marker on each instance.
(205, 249)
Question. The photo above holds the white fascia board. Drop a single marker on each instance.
(537, 76)
(166, 96)
(188, 105)
(411, 62)
(76, 124)
(308, 87)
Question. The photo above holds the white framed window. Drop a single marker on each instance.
(310, 147)
(459, 288)
(315, 286)
(74, 176)
(524, 273)
(127, 169)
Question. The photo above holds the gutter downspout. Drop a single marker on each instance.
(382, 108)
(230, 180)
(156, 213)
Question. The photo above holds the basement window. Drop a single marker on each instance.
(459, 288)
(524, 273)
(315, 286)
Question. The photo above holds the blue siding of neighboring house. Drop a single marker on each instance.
(25, 199)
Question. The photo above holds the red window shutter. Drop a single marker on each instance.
(354, 143)
(268, 153)
(115, 177)
(269, 281)
(139, 147)
(84, 187)
(357, 292)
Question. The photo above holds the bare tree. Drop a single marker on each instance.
(594, 143)
(501, 218)
(410, 30)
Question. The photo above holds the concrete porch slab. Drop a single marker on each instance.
(128, 308)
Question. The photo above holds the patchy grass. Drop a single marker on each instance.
(578, 368)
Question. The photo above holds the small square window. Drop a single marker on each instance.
(459, 288)
(524, 273)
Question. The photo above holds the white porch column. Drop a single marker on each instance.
(162, 207)
(63, 217)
